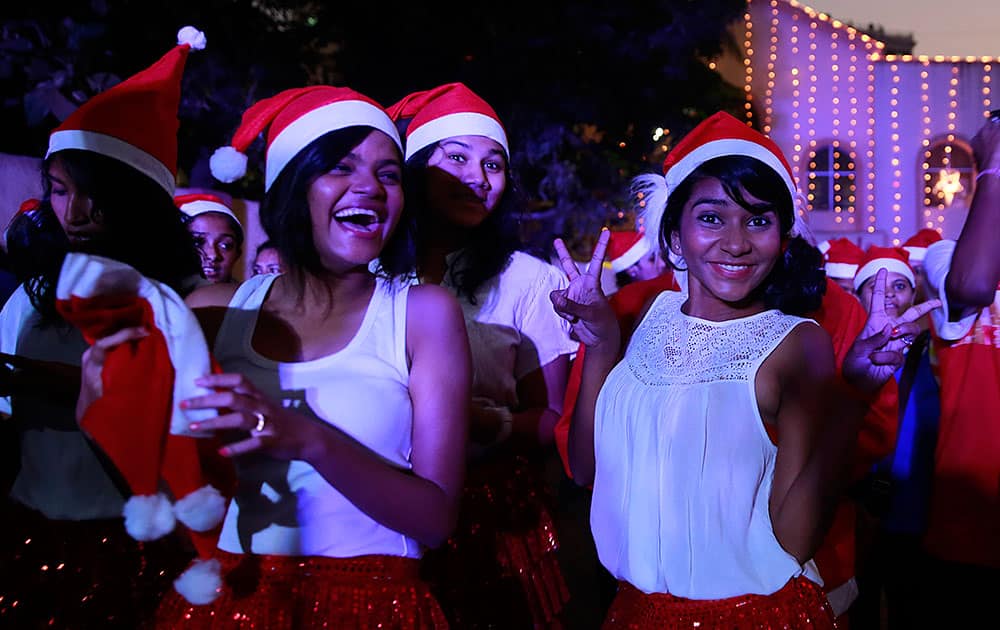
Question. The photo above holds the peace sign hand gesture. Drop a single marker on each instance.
(879, 348)
(583, 304)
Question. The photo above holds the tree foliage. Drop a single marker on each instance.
(580, 85)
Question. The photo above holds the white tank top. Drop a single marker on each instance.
(684, 463)
(286, 507)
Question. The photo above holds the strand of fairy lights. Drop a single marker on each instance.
(925, 112)
(747, 62)
(771, 61)
(796, 95)
(870, 153)
(836, 153)
(952, 123)
(811, 101)
(897, 173)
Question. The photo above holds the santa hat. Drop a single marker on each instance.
(842, 258)
(917, 244)
(138, 421)
(293, 119)
(199, 203)
(626, 248)
(444, 112)
(890, 258)
(717, 136)
(135, 121)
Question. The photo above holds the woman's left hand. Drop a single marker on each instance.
(879, 350)
(273, 430)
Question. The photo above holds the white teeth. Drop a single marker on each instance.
(353, 212)
(733, 267)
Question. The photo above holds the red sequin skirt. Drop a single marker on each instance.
(301, 592)
(500, 568)
(799, 605)
(80, 574)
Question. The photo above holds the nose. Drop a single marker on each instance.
(367, 183)
(78, 210)
(474, 176)
(734, 240)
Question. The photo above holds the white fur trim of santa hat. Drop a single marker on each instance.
(201, 206)
(458, 124)
(110, 146)
(632, 255)
(201, 583)
(890, 264)
(841, 271)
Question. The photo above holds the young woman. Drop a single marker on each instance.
(463, 201)
(345, 391)
(217, 234)
(67, 561)
(267, 260)
(714, 471)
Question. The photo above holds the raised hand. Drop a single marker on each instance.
(878, 351)
(583, 304)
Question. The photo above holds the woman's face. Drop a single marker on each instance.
(728, 250)
(466, 178)
(74, 209)
(899, 294)
(355, 205)
(267, 261)
(217, 243)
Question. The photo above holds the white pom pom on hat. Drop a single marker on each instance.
(192, 37)
(227, 164)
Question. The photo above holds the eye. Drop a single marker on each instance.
(392, 176)
(340, 167)
(457, 158)
(759, 221)
(58, 192)
(710, 218)
(495, 166)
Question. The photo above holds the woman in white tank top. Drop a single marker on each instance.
(344, 391)
(713, 466)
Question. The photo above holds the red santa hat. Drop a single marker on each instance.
(138, 421)
(890, 258)
(842, 258)
(626, 248)
(293, 119)
(444, 112)
(917, 244)
(717, 136)
(199, 203)
(135, 121)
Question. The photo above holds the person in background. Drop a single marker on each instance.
(963, 531)
(633, 258)
(462, 195)
(267, 259)
(896, 495)
(345, 388)
(217, 234)
(917, 246)
(108, 181)
(840, 260)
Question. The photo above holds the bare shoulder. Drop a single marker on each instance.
(806, 352)
(212, 295)
(430, 300)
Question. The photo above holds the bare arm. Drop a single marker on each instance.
(975, 267)
(422, 503)
(541, 394)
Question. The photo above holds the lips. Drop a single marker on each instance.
(733, 271)
(358, 221)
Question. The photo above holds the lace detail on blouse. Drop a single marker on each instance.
(670, 348)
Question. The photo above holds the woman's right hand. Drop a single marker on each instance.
(583, 304)
(92, 363)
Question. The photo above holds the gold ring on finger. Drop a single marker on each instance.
(261, 421)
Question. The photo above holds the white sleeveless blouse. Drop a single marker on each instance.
(684, 464)
(286, 507)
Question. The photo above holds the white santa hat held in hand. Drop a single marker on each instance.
(294, 119)
(717, 136)
(135, 121)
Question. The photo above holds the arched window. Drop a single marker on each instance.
(949, 175)
(832, 185)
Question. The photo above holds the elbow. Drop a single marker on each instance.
(583, 474)
(970, 291)
(439, 531)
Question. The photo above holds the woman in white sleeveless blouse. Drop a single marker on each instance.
(711, 445)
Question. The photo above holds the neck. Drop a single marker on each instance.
(702, 304)
(328, 291)
(442, 239)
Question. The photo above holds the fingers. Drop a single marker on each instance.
(116, 339)
(225, 399)
(878, 294)
(909, 330)
(236, 382)
(597, 259)
(249, 445)
(886, 357)
(566, 308)
(240, 420)
(917, 311)
(565, 260)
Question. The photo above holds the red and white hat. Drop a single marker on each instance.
(716, 136)
(135, 121)
(842, 258)
(890, 258)
(917, 244)
(446, 111)
(199, 203)
(293, 119)
(626, 248)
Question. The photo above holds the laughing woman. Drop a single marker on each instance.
(346, 390)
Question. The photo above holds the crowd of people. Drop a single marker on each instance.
(771, 432)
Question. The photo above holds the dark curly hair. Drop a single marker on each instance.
(143, 227)
(797, 283)
(285, 217)
(491, 244)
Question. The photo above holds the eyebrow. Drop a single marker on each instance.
(221, 234)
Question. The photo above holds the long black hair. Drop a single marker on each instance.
(490, 245)
(142, 226)
(285, 216)
(797, 282)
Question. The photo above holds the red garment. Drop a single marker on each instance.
(304, 592)
(799, 604)
(964, 520)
